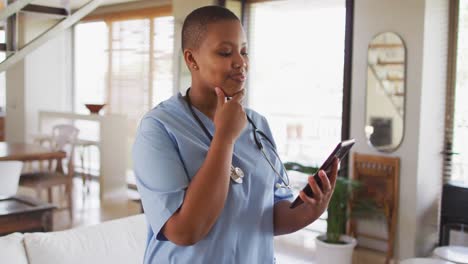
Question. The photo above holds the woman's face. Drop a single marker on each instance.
(221, 58)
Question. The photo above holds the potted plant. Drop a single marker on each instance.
(335, 246)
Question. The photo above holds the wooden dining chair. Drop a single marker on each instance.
(379, 178)
(64, 138)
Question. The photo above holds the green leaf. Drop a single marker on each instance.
(310, 170)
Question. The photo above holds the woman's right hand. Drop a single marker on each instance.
(230, 118)
(207, 192)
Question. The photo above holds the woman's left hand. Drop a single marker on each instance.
(314, 207)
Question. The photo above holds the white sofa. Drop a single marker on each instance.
(118, 241)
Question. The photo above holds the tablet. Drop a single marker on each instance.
(340, 152)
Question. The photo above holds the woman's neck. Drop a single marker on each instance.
(204, 99)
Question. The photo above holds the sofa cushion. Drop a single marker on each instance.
(12, 249)
(117, 241)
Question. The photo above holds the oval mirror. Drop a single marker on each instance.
(385, 95)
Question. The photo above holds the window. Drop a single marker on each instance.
(129, 79)
(460, 118)
(163, 49)
(125, 61)
(296, 52)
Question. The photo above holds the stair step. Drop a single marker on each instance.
(49, 10)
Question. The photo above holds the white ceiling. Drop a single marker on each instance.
(74, 4)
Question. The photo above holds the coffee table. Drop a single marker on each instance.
(24, 214)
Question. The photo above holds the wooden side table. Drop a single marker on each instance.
(24, 214)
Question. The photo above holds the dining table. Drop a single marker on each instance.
(30, 152)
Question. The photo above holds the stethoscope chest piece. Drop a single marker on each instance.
(237, 174)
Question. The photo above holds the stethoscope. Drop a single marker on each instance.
(236, 173)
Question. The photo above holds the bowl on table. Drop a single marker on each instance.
(94, 108)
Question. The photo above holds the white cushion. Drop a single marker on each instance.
(117, 241)
(456, 254)
(12, 249)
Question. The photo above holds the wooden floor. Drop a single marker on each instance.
(366, 256)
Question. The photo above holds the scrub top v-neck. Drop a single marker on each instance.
(169, 149)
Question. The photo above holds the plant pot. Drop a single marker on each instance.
(327, 253)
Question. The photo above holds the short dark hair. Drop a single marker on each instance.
(196, 23)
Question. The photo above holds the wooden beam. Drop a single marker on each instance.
(132, 14)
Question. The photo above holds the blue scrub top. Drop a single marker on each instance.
(169, 149)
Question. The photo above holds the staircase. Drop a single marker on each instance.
(392, 90)
(19, 17)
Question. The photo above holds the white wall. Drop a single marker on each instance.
(431, 124)
(422, 26)
(48, 80)
(41, 81)
(14, 120)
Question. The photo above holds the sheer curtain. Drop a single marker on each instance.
(162, 59)
(129, 76)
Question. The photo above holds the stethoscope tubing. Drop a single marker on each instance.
(257, 142)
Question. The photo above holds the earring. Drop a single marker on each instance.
(195, 67)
